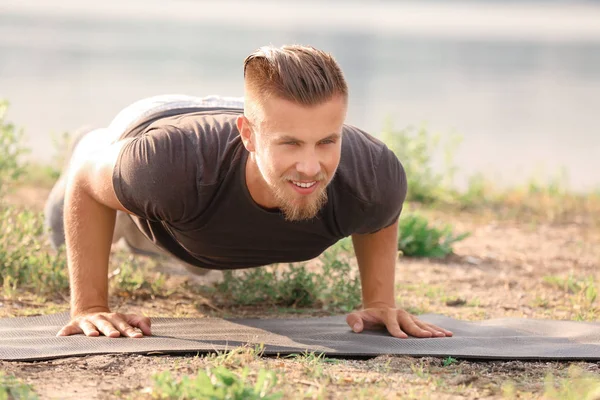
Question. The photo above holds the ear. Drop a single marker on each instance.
(246, 134)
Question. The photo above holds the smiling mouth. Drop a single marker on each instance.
(304, 185)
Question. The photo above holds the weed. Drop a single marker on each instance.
(419, 370)
(540, 302)
(417, 239)
(416, 149)
(449, 361)
(583, 290)
(313, 363)
(216, 383)
(25, 261)
(11, 151)
(237, 357)
(12, 388)
(127, 277)
(295, 286)
(474, 302)
(130, 276)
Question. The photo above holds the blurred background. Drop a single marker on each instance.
(519, 81)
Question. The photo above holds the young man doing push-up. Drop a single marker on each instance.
(218, 183)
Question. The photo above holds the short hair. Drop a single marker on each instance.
(302, 74)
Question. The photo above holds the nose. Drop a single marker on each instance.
(309, 166)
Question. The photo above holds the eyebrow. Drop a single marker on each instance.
(288, 138)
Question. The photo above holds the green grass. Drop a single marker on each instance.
(534, 199)
(416, 149)
(416, 238)
(25, 259)
(582, 294)
(12, 388)
(217, 383)
(11, 152)
(335, 288)
(314, 364)
(236, 357)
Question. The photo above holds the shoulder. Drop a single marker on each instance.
(370, 183)
(212, 136)
(368, 168)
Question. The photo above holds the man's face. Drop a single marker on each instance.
(297, 151)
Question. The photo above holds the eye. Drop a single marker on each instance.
(327, 141)
(291, 143)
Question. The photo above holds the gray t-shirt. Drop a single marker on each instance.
(183, 178)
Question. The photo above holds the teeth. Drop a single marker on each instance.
(303, 185)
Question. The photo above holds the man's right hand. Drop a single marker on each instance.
(107, 323)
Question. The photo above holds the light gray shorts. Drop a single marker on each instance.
(152, 105)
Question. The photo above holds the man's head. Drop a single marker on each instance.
(295, 105)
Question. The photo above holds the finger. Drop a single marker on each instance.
(446, 331)
(431, 328)
(392, 325)
(409, 326)
(435, 327)
(88, 328)
(104, 326)
(140, 322)
(122, 326)
(354, 320)
(69, 330)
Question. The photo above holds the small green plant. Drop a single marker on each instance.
(416, 149)
(313, 363)
(419, 369)
(237, 357)
(583, 289)
(11, 151)
(12, 388)
(130, 276)
(216, 384)
(25, 260)
(336, 288)
(449, 361)
(417, 239)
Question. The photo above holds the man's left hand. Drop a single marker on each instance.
(398, 322)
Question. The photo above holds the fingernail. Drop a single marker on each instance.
(356, 327)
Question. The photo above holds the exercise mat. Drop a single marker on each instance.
(33, 338)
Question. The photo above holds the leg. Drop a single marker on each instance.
(125, 229)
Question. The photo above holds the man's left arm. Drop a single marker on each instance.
(376, 255)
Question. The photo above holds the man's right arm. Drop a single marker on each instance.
(89, 216)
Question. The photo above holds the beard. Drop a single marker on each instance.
(294, 206)
(300, 210)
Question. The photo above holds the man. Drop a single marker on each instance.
(219, 185)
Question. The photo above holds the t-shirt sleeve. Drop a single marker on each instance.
(155, 176)
(390, 193)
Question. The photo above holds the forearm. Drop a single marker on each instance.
(376, 255)
(89, 227)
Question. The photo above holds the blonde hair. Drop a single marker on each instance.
(301, 74)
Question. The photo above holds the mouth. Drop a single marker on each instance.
(304, 187)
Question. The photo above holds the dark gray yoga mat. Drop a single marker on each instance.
(33, 338)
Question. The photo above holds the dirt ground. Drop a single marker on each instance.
(501, 270)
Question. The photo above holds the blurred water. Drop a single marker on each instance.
(525, 95)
